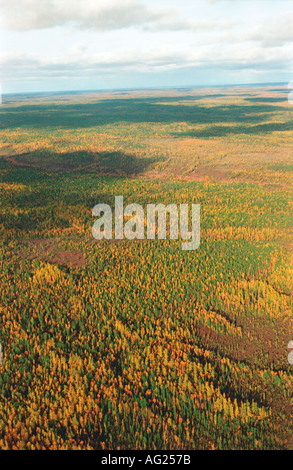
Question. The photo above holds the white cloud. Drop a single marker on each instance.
(96, 15)
(77, 62)
(278, 32)
(90, 14)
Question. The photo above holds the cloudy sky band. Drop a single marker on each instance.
(49, 45)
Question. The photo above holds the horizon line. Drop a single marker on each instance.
(101, 90)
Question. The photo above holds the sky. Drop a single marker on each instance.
(57, 45)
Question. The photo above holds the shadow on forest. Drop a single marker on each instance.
(267, 99)
(220, 131)
(115, 163)
(87, 115)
